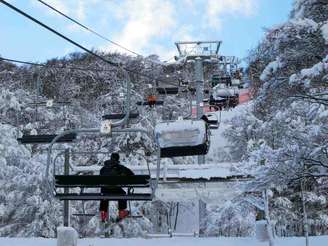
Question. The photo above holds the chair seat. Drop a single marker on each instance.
(168, 90)
(133, 115)
(45, 139)
(143, 103)
(201, 149)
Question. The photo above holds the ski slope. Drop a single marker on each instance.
(219, 149)
(292, 241)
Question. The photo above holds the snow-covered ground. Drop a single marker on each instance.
(314, 241)
(219, 150)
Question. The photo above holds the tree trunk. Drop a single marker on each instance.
(305, 220)
(267, 217)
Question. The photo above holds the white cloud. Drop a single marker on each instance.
(162, 51)
(150, 26)
(216, 9)
(144, 21)
(74, 8)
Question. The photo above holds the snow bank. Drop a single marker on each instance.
(206, 173)
(261, 231)
(66, 236)
(180, 133)
(222, 241)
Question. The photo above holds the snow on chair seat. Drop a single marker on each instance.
(44, 139)
(87, 181)
(182, 138)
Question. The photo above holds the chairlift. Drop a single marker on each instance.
(151, 97)
(213, 120)
(219, 79)
(46, 138)
(146, 103)
(182, 138)
(226, 96)
(167, 90)
(69, 182)
(98, 181)
(119, 116)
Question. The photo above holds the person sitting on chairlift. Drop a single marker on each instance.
(151, 100)
(113, 167)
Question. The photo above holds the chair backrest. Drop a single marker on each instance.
(101, 181)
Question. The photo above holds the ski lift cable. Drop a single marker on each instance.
(93, 32)
(74, 42)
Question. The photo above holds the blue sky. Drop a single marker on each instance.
(145, 26)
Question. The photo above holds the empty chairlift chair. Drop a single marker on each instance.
(119, 116)
(227, 96)
(213, 120)
(167, 90)
(182, 138)
(45, 139)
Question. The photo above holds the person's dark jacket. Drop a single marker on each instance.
(114, 168)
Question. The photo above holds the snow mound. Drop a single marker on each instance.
(67, 236)
(207, 171)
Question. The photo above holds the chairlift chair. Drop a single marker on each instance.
(98, 181)
(143, 184)
(213, 120)
(167, 90)
(182, 138)
(119, 116)
(219, 79)
(151, 97)
(46, 138)
(146, 103)
(226, 96)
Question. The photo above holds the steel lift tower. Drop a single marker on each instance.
(199, 52)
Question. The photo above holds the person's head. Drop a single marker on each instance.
(115, 157)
